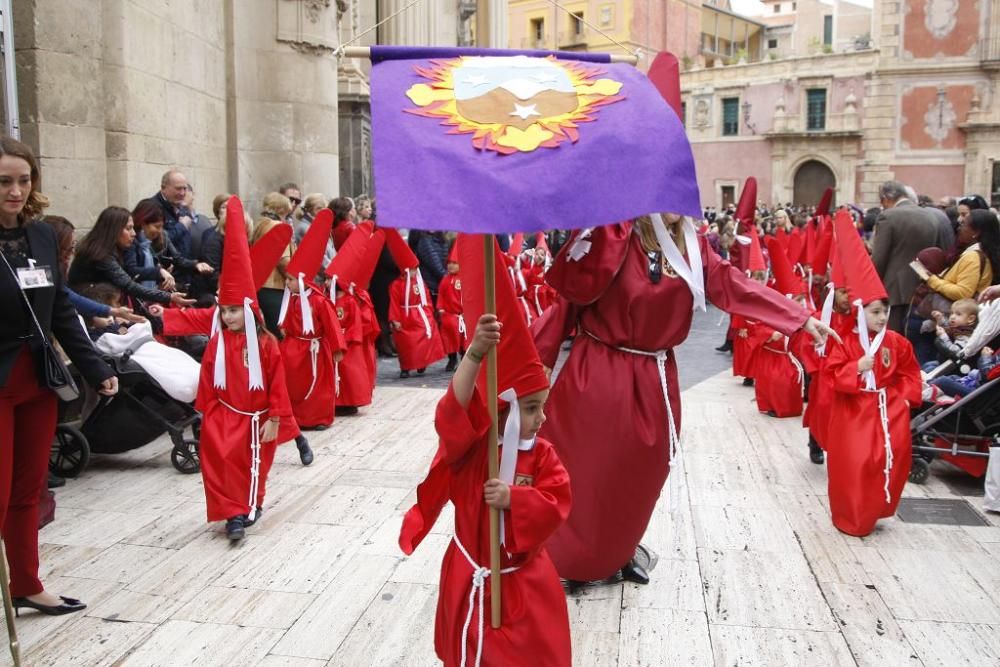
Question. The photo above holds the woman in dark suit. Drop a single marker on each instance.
(27, 406)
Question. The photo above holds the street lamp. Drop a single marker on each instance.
(746, 116)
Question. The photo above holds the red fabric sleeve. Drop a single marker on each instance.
(552, 328)
(536, 511)
(187, 321)
(583, 281)
(843, 369)
(458, 428)
(731, 290)
(279, 405)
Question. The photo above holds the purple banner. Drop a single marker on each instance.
(508, 142)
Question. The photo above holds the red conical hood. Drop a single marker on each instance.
(540, 242)
(401, 252)
(516, 245)
(820, 257)
(265, 253)
(746, 210)
(518, 364)
(665, 75)
(236, 280)
(373, 250)
(453, 253)
(795, 244)
(810, 245)
(785, 280)
(308, 257)
(346, 266)
(863, 283)
(756, 255)
(823, 208)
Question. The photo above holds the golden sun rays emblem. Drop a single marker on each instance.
(886, 358)
(340, 313)
(513, 104)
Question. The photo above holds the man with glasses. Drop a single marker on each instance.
(176, 216)
(294, 194)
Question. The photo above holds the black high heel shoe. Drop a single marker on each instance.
(68, 606)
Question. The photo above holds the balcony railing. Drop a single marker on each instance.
(531, 43)
(572, 38)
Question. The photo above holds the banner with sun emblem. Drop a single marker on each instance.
(488, 141)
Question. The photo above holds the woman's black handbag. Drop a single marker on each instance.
(57, 375)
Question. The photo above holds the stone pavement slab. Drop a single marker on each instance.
(751, 570)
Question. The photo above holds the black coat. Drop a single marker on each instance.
(83, 272)
(55, 313)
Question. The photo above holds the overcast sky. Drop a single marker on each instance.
(756, 8)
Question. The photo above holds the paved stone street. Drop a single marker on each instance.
(751, 572)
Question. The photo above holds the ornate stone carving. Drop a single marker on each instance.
(702, 114)
(940, 119)
(308, 27)
(940, 17)
(314, 8)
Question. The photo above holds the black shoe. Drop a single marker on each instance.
(55, 481)
(236, 528)
(635, 573)
(420, 371)
(452, 363)
(317, 427)
(305, 451)
(345, 410)
(772, 413)
(816, 454)
(404, 374)
(747, 382)
(68, 606)
(725, 347)
(247, 522)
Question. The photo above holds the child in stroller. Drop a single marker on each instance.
(157, 387)
(962, 432)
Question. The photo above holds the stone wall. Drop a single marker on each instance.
(115, 92)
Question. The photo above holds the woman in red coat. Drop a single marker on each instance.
(614, 412)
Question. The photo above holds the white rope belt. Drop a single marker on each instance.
(538, 303)
(795, 362)
(661, 367)
(314, 345)
(527, 309)
(423, 316)
(461, 325)
(883, 413)
(479, 576)
(254, 455)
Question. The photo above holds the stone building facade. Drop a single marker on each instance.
(920, 106)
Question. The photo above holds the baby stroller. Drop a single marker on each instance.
(140, 412)
(962, 432)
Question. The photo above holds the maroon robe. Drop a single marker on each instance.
(747, 346)
(535, 622)
(313, 396)
(857, 454)
(225, 445)
(606, 414)
(778, 376)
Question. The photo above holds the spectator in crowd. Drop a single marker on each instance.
(152, 260)
(312, 205)
(343, 220)
(363, 208)
(199, 224)
(274, 211)
(781, 221)
(30, 409)
(176, 217)
(902, 230)
(970, 203)
(100, 259)
(294, 194)
(432, 250)
(945, 232)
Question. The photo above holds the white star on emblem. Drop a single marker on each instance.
(524, 112)
(476, 80)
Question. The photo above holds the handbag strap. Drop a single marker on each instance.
(27, 301)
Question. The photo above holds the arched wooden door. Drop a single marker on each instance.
(811, 180)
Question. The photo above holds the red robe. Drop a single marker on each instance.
(353, 370)
(198, 322)
(778, 377)
(313, 396)
(225, 446)
(417, 339)
(449, 302)
(606, 413)
(745, 349)
(857, 455)
(369, 334)
(816, 416)
(535, 621)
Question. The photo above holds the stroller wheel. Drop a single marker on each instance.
(920, 469)
(185, 457)
(70, 452)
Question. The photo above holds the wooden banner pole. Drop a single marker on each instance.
(489, 273)
(365, 53)
(8, 607)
